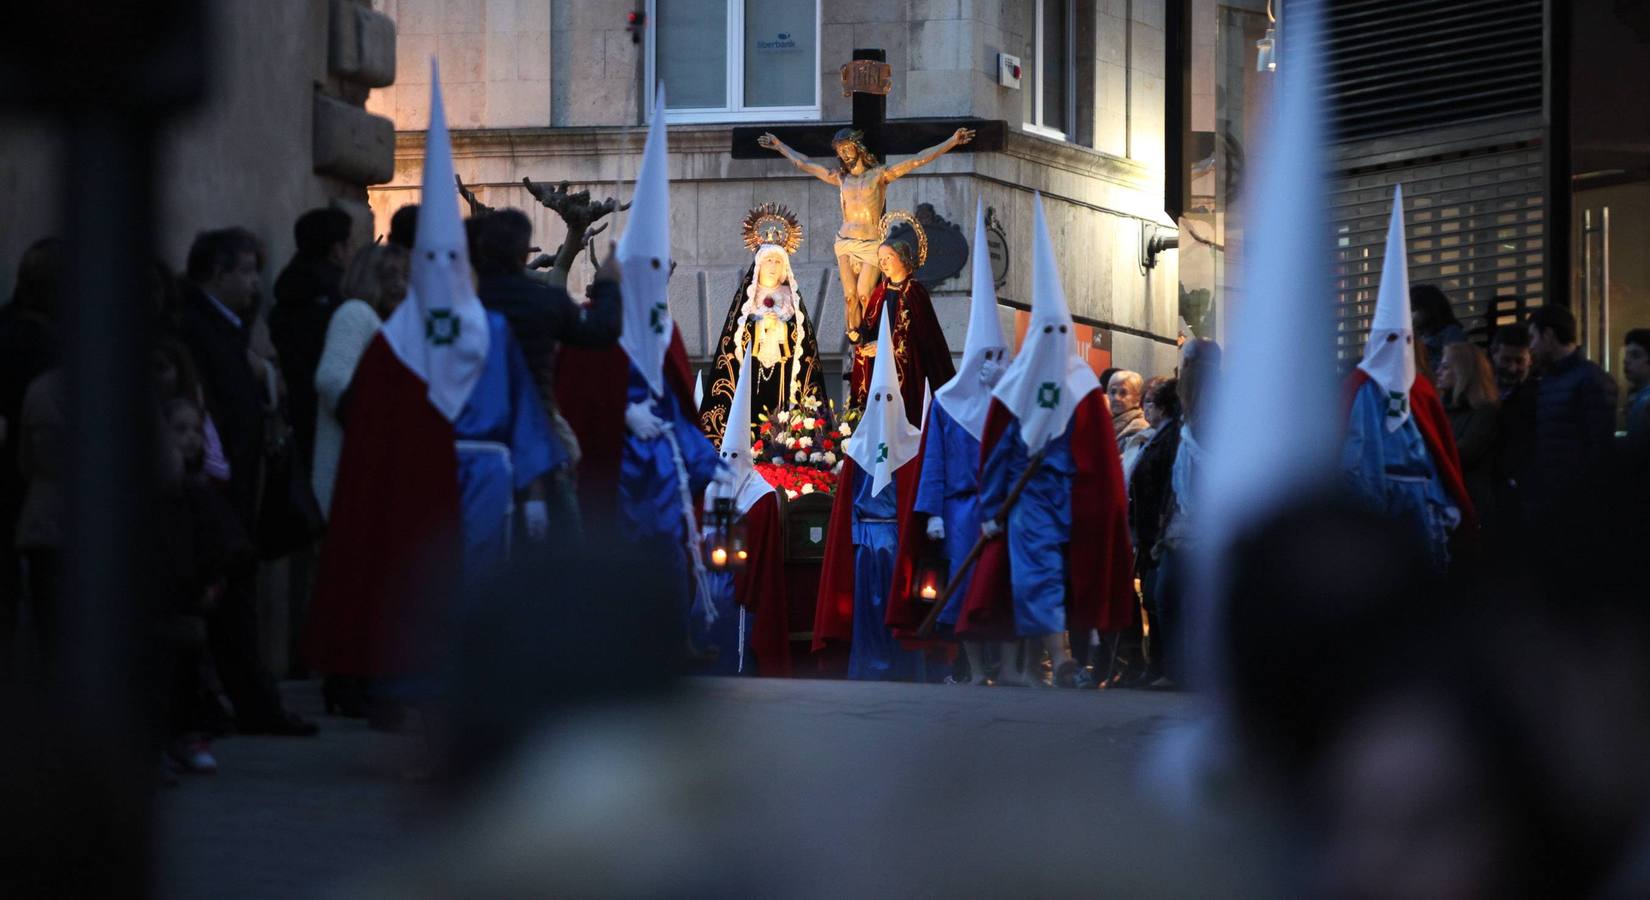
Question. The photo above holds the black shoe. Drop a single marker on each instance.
(282, 724)
(344, 697)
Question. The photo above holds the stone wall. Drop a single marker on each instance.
(249, 155)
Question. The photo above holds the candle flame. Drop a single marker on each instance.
(719, 557)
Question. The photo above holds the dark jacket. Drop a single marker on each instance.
(1574, 433)
(1149, 490)
(306, 293)
(543, 317)
(1476, 432)
(234, 398)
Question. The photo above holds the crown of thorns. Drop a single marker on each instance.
(774, 224)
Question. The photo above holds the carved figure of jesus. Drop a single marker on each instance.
(864, 184)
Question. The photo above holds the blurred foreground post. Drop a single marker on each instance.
(77, 767)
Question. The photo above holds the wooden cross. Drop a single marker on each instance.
(869, 87)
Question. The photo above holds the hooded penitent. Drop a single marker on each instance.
(886, 439)
(1389, 356)
(644, 258)
(1047, 379)
(739, 479)
(440, 330)
(966, 397)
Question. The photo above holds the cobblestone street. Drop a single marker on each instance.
(290, 818)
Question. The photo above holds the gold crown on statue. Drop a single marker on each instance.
(896, 216)
(774, 224)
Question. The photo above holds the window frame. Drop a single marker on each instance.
(735, 111)
(1037, 126)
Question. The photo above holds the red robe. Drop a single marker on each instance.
(1433, 422)
(834, 611)
(904, 615)
(1100, 557)
(591, 389)
(760, 588)
(919, 345)
(393, 545)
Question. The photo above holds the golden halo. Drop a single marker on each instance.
(771, 223)
(900, 215)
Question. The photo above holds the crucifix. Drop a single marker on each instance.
(860, 175)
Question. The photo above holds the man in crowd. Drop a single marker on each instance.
(306, 293)
(220, 298)
(1635, 455)
(1574, 429)
(1510, 352)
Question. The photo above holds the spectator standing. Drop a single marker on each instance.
(306, 293)
(220, 296)
(1574, 430)
(28, 347)
(1132, 446)
(543, 317)
(1148, 496)
(1467, 382)
(403, 227)
(1635, 444)
(1127, 419)
(1510, 353)
(1435, 323)
(41, 523)
(375, 284)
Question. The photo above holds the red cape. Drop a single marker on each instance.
(834, 611)
(904, 615)
(1099, 559)
(760, 588)
(1439, 436)
(394, 542)
(591, 390)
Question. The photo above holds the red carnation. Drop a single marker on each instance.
(828, 444)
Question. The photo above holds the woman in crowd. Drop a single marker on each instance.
(375, 283)
(1467, 382)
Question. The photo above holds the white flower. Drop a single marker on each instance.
(790, 494)
(801, 456)
(810, 424)
(807, 489)
(807, 441)
(782, 416)
(830, 458)
(846, 429)
(791, 443)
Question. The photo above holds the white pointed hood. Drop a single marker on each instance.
(644, 259)
(741, 482)
(1047, 379)
(1389, 356)
(440, 331)
(885, 439)
(966, 397)
(1278, 335)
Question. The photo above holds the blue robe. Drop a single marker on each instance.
(1038, 526)
(650, 499)
(729, 635)
(875, 655)
(949, 488)
(504, 445)
(1394, 474)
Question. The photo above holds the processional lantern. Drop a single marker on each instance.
(725, 546)
(928, 580)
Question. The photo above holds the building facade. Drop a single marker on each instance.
(554, 90)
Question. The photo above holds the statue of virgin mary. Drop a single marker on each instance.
(767, 318)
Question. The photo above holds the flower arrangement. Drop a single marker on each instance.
(799, 450)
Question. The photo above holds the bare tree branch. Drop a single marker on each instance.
(578, 212)
(477, 208)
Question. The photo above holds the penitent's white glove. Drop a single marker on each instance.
(642, 422)
(990, 528)
(537, 516)
(936, 528)
(990, 371)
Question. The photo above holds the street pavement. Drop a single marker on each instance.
(720, 767)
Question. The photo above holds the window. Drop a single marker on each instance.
(735, 60)
(1050, 106)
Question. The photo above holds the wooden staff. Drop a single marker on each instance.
(927, 627)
